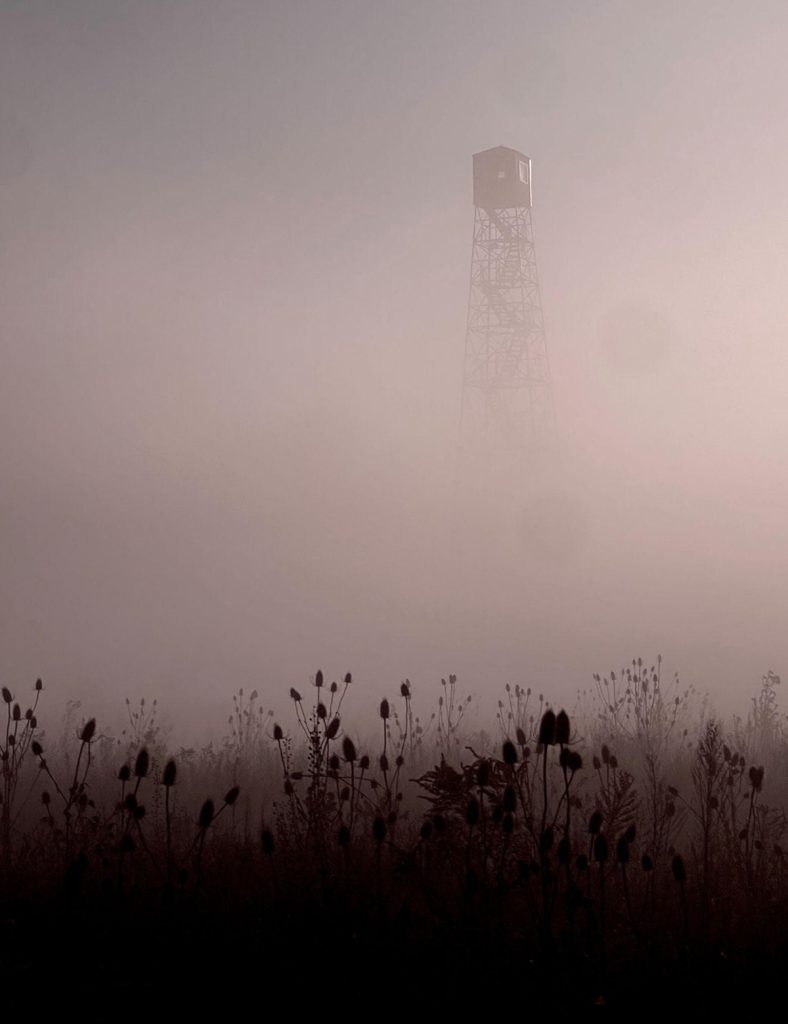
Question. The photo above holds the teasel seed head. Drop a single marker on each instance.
(547, 728)
(142, 764)
(206, 814)
(509, 753)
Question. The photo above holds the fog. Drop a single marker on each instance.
(234, 279)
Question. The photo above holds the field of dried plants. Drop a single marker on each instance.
(633, 850)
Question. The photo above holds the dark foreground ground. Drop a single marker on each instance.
(343, 953)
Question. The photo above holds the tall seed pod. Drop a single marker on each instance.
(547, 728)
(509, 753)
(562, 728)
(206, 814)
(142, 763)
(168, 776)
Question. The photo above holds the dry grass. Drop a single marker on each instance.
(636, 838)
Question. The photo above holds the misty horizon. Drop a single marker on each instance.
(235, 285)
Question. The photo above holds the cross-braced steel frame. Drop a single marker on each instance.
(507, 401)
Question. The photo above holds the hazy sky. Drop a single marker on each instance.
(234, 276)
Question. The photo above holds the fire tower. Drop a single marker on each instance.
(507, 399)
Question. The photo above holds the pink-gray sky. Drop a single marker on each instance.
(234, 274)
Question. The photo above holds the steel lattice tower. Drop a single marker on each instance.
(507, 400)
